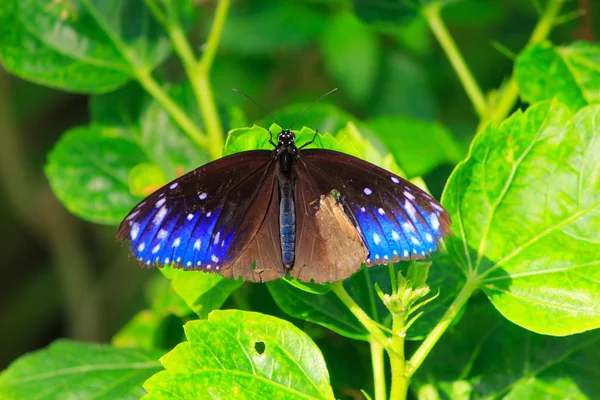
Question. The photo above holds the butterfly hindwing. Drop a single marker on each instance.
(206, 219)
(396, 219)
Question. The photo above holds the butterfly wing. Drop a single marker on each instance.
(395, 219)
(208, 218)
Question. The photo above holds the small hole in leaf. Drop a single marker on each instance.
(260, 347)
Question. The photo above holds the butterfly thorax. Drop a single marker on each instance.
(286, 154)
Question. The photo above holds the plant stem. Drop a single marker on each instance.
(397, 362)
(378, 370)
(433, 337)
(214, 36)
(510, 92)
(147, 81)
(440, 31)
(360, 314)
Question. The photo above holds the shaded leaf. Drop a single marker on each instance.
(28, 57)
(202, 292)
(351, 53)
(418, 146)
(68, 369)
(88, 171)
(139, 332)
(489, 357)
(525, 207)
(570, 74)
(245, 355)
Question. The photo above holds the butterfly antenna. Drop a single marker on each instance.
(259, 106)
(311, 106)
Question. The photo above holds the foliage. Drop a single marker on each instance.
(480, 319)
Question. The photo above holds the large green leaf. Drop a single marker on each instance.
(418, 146)
(570, 74)
(488, 357)
(112, 34)
(28, 57)
(525, 207)
(68, 369)
(351, 53)
(245, 355)
(201, 291)
(88, 171)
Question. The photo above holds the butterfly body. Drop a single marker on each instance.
(315, 214)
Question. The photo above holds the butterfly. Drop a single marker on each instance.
(316, 214)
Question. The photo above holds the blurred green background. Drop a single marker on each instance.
(63, 277)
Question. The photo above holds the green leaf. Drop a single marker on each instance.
(141, 331)
(403, 89)
(68, 369)
(570, 74)
(418, 146)
(88, 171)
(245, 355)
(286, 26)
(201, 291)
(145, 178)
(28, 57)
(351, 53)
(131, 111)
(525, 207)
(113, 34)
(493, 358)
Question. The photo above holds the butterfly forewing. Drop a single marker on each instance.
(395, 219)
(205, 219)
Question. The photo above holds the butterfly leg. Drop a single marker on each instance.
(311, 140)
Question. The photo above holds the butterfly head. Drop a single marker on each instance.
(286, 138)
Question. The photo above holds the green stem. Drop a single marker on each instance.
(432, 15)
(147, 81)
(510, 92)
(397, 362)
(360, 314)
(214, 36)
(433, 337)
(378, 370)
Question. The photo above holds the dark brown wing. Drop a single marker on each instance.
(207, 218)
(395, 219)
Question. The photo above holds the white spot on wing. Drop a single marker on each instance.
(178, 259)
(385, 257)
(429, 238)
(217, 237)
(436, 206)
(395, 235)
(414, 240)
(177, 242)
(405, 253)
(199, 263)
(407, 226)
(190, 216)
(376, 239)
(142, 246)
(156, 249)
(362, 209)
(167, 260)
(214, 258)
(395, 180)
(381, 211)
(173, 185)
(197, 244)
(189, 264)
(367, 191)
(162, 234)
(410, 208)
(435, 222)
(208, 214)
(160, 203)
(135, 230)
(160, 215)
(202, 196)
(133, 214)
(408, 195)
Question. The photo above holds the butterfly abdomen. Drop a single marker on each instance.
(287, 223)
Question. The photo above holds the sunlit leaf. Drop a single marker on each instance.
(244, 355)
(570, 74)
(68, 369)
(525, 207)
